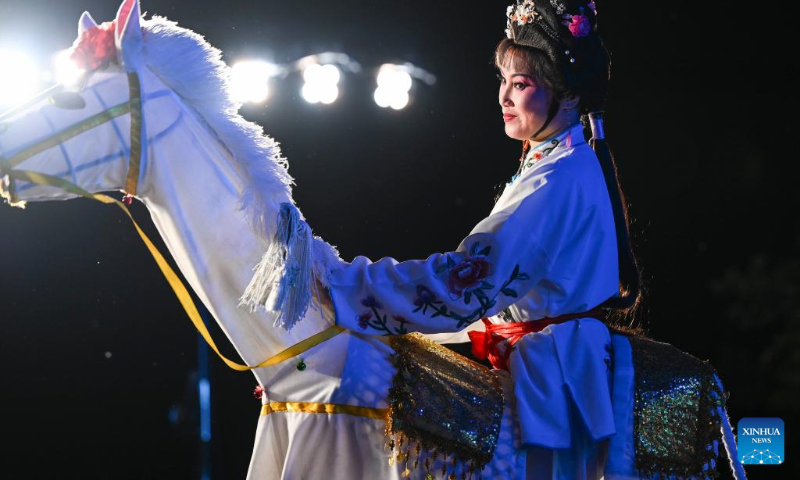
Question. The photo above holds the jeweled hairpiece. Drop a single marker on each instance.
(524, 12)
(559, 6)
(521, 13)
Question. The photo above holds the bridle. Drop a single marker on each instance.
(132, 106)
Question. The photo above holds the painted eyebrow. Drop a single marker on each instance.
(517, 75)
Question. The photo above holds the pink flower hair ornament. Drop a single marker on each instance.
(578, 25)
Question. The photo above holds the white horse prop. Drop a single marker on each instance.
(154, 118)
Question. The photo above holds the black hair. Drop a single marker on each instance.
(571, 66)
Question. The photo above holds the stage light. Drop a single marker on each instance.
(321, 83)
(204, 394)
(65, 71)
(250, 80)
(19, 78)
(310, 93)
(322, 74)
(394, 78)
(399, 101)
(328, 94)
(383, 97)
(330, 74)
(394, 82)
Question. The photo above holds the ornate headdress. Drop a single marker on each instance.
(524, 12)
(528, 14)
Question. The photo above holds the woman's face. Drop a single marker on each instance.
(524, 103)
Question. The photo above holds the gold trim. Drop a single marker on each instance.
(329, 408)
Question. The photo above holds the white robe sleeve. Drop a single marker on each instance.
(504, 257)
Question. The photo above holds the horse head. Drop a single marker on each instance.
(142, 74)
(153, 116)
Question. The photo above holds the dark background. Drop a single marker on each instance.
(698, 117)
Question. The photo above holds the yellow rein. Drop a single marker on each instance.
(177, 286)
(134, 107)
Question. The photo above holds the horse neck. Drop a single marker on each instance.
(191, 188)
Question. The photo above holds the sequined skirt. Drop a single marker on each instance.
(577, 384)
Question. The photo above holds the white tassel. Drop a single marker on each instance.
(285, 281)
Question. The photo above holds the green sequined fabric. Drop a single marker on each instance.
(676, 421)
(443, 402)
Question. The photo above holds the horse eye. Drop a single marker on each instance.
(68, 100)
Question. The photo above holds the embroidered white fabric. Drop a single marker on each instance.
(555, 222)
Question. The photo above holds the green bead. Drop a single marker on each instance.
(301, 366)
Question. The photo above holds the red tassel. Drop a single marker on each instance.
(258, 392)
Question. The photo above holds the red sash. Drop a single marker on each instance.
(485, 344)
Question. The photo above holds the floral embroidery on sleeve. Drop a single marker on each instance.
(379, 322)
(466, 276)
(464, 279)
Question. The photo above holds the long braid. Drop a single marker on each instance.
(593, 90)
(629, 272)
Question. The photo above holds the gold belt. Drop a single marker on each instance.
(329, 408)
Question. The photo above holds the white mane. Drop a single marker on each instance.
(194, 70)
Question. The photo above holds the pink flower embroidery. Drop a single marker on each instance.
(371, 302)
(580, 26)
(95, 47)
(538, 155)
(363, 319)
(468, 274)
(424, 296)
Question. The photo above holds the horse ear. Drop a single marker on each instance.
(85, 23)
(128, 34)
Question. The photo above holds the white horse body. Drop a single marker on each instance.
(194, 180)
